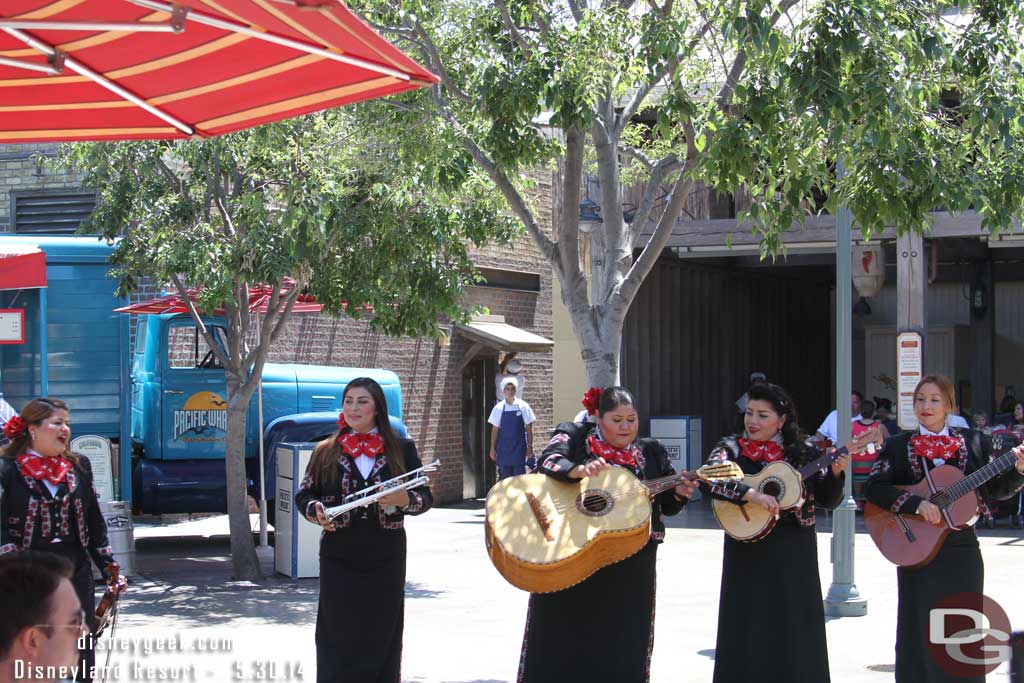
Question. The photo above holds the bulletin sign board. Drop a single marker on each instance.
(12, 326)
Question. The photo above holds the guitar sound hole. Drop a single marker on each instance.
(594, 503)
(773, 488)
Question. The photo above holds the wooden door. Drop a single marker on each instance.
(478, 397)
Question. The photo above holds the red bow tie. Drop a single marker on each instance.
(53, 470)
(356, 444)
(769, 451)
(618, 456)
(932, 446)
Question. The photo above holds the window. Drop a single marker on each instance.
(187, 348)
(51, 212)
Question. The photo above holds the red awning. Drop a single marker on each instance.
(22, 267)
(148, 69)
(259, 300)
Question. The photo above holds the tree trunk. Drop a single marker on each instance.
(243, 551)
(599, 347)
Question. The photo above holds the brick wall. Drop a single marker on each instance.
(20, 172)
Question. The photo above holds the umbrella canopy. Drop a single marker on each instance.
(22, 267)
(259, 301)
(146, 69)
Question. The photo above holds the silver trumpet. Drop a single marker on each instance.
(372, 494)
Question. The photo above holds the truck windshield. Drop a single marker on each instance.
(187, 348)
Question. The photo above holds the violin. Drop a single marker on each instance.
(106, 610)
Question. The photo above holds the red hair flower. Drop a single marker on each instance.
(591, 399)
(14, 428)
(342, 422)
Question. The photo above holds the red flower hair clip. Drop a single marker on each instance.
(591, 399)
(342, 422)
(14, 428)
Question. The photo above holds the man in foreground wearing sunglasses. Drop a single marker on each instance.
(41, 618)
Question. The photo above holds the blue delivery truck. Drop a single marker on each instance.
(167, 398)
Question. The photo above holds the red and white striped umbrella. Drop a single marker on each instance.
(147, 69)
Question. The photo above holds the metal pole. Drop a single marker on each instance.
(843, 599)
(259, 438)
(44, 351)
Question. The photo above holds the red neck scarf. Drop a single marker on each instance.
(53, 470)
(356, 444)
(932, 446)
(769, 451)
(617, 456)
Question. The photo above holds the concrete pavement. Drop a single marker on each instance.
(463, 621)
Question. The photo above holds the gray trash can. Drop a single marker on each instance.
(121, 533)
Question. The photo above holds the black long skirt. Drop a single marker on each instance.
(612, 609)
(957, 568)
(771, 622)
(361, 613)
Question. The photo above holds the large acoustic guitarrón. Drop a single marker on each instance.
(544, 535)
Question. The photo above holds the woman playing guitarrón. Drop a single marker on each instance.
(615, 605)
(771, 623)
(958, 567)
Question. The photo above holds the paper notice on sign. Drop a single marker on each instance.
(98, 450)
(12, 326)
(909, 369)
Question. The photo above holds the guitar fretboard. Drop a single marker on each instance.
(951, 494)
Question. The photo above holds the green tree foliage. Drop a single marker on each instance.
(356, 222)
(923, 103)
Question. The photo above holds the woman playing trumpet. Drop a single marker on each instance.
(362, 551)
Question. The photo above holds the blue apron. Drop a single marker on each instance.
(511, 444)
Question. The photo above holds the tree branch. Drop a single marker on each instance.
(666, 72)
(510, 26)
(630, 285)
(201, 326)
(650, 195)
(504, 183)
(437, 64)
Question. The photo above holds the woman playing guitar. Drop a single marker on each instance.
(771, 624)
(958, 568)
(615, 605)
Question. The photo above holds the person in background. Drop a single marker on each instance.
(955, 419)
(512, 421)
(868, 434)
(829, 428)
(42, 618)
(981, 424)
(885, 415)
(510, 368)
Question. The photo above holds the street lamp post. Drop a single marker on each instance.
(843, 599)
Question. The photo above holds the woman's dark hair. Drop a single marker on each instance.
(614, 397)
(34, 413)
(323, 464)
(1013, 412)
(857, 394)
(867, 410)
(1008, 403)
(783, 406)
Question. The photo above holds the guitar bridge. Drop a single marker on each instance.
(540, 516)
